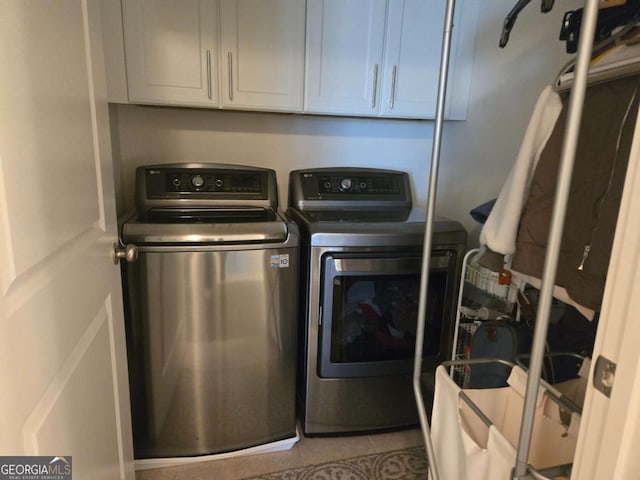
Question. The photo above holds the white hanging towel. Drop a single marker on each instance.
(466, 449)
(500, 230)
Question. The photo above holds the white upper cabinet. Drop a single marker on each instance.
(171, 51)
(382, 58)
(412, 58)
(344, 56)
(356, 57)
(262, 54)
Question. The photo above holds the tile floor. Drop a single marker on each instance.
(308, 451)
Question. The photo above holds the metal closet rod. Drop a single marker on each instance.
(521, 470)
(424, 283)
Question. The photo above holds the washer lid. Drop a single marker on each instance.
(237, 214)
(206, 226)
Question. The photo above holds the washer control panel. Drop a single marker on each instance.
(161, 183)
(204, 185)
(180, 181)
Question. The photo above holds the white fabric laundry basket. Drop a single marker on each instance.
(467, 449)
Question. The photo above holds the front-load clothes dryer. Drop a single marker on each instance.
(361, 257)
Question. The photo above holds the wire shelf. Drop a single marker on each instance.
(466, 329)
(495, 284)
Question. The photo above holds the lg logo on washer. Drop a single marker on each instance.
(280, 261)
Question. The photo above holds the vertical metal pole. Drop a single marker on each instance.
(563, 185)
(424, 284)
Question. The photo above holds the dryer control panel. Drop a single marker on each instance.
(359, 184)
(350, 187)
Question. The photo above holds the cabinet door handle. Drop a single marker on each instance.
(209, 92)
(375, 86)
(230, 65)
(394, 76)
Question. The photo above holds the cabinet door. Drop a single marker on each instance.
(170, 49)
(344, 56)
(262, 51)
(412, 59)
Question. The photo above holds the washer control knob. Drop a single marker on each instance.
(197, 181)
(345, 184)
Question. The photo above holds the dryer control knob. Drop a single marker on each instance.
(197, 181)
(345, 184)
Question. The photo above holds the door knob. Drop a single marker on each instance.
(128, 253)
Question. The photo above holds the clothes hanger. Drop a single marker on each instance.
(511, 17)
(626, 64)
(612, 16)
(615, 20)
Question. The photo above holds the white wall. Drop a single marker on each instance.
(477, 153)
(279, 141)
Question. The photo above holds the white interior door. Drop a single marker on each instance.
(610, 428)
(62, 354)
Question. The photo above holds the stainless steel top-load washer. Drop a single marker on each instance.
(361, 251)
(211, 310)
